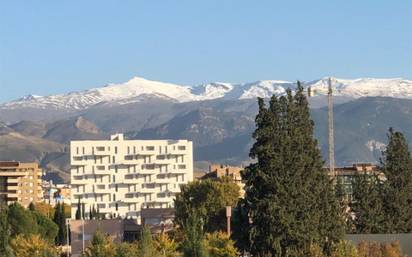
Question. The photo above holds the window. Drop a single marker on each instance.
(115, 149)
(77, 150)
(150, 148)
(117, 188)
(181, 147)
(117, 207)
(114, 199)
(100, 148)
(181, 166)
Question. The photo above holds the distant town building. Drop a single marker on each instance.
(54, 193)
(121, 177)
(234, 172)
(20, 182)
(346, 175)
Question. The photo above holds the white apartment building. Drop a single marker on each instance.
(120, 177)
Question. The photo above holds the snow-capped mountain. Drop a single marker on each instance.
(138, 89)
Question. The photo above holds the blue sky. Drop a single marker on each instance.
(49, 47)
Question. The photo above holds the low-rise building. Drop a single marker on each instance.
(219, 171)
(54, 193)
(20, 182)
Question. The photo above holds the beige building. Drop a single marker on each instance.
(233, 172)
(20, 182)
(119, 177)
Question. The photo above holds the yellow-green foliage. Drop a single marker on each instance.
(32, 246)
(220, 245)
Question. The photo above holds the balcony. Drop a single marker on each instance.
(79, 182)
(148, 190)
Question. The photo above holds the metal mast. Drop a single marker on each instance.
(330, 130)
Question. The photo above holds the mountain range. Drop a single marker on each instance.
(218, 117)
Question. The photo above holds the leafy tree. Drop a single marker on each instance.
(397, 167)
(208, 198)
(60, 220)
(5, 249)
(367, 204)
(100, 246)
(166, 246)
(45, 209)
(194, 244)
(126, 250)
(146, 246)
(33, 246)
(290, 198)
(78, 211)
(220, 245)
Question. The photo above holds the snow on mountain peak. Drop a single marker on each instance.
(138, 89)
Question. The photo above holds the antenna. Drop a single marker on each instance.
(330, 130)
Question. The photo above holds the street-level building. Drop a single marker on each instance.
(20, 182)
(119, 177)
(217, 171)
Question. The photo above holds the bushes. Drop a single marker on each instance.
(364, 249)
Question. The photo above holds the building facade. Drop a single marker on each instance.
(234, 172)
(346, 175)
(119, 177)
(20, 182)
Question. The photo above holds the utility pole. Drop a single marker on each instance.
(68, 236)
(330, 130)
(228, 215)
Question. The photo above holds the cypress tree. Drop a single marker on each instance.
(90, 213)
(31, 206)
(78, 211)
(397, 167)
(60, 220)
(83, 211)
(289, 197)
(367, 204)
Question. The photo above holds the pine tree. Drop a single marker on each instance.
(367, 204)
(5, 249)
(289, 197)
(397, 167)
(78, 211)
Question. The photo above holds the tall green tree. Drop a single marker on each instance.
(396, 164)
(289, 197)
(60, 220)
(78, 214)
(194, 244)
(367, 204)
(5, 249)
(100, 246)
(208, 198)
(146, 246)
